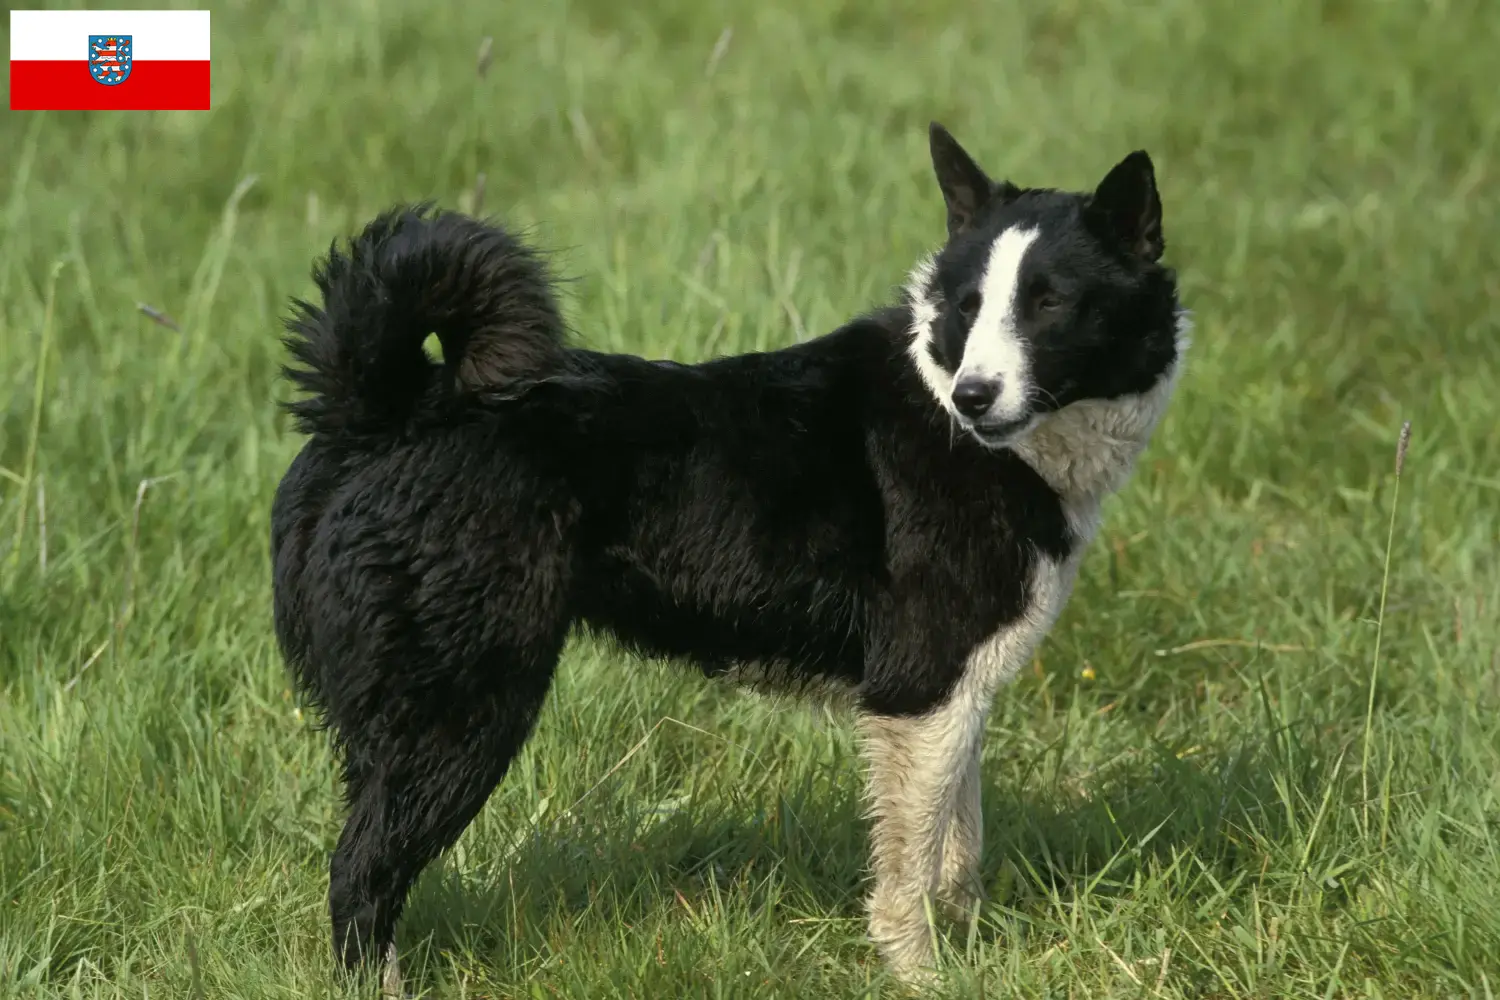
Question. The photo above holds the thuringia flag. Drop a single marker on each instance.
(123, 60)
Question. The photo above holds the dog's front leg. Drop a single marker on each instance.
(920, 785)
(960, 884)
(895, 911)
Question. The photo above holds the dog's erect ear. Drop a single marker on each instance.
(966, 188)
(1126, 206)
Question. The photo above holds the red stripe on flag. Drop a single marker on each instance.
(67, 85)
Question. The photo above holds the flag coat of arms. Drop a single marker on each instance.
(109, 58)
(101, 60)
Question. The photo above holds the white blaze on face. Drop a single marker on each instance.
(994, 349)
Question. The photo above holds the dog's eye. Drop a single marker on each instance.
(968, 306)
(1045, 301)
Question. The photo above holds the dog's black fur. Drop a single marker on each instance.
(811, 510)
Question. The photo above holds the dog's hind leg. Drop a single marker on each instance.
(413, 784)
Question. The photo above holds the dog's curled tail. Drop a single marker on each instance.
(414, 272)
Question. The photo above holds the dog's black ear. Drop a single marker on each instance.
(1127, 207)
(966, 188)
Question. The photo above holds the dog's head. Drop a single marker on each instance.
(1041, 298)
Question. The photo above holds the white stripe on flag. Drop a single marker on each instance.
(64, 34)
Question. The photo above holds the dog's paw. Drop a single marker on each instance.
(961, 896)
(961, 908)
(391, 986)
(917, 979)
(904, 942)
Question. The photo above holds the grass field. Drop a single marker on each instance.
(1209, 786)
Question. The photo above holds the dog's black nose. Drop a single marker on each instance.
(974, 396)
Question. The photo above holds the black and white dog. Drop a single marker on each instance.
(897, 508)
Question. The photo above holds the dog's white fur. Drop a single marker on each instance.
(924, 313)
(993, 350)
(924, 780)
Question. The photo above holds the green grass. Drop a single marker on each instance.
(1196, 793)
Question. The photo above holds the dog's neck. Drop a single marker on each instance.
(1087, 450)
